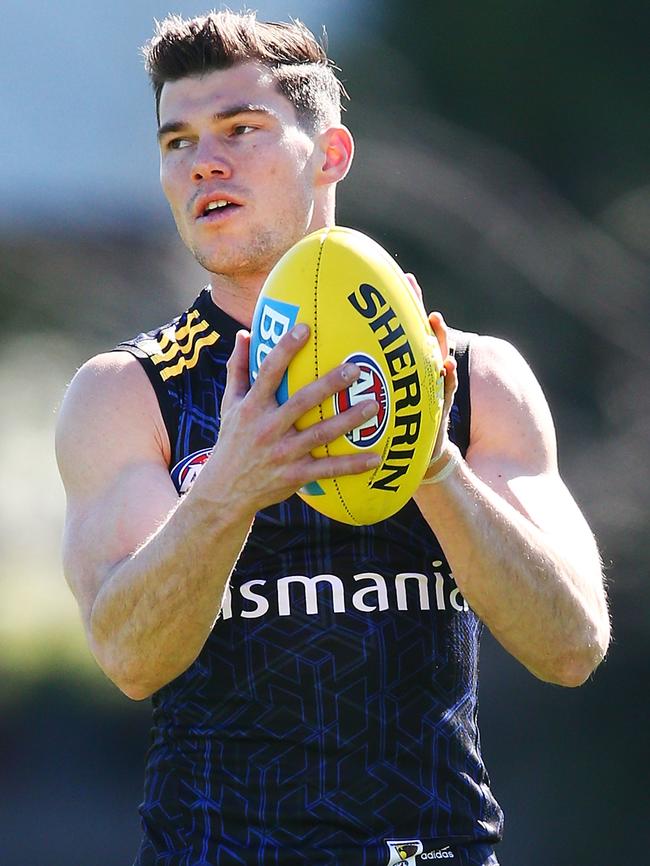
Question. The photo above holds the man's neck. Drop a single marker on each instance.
(237, 297)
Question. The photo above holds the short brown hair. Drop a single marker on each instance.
(183, 47)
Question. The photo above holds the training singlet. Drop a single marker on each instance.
(331, 717)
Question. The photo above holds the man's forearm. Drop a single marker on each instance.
(154, 613)
(537, 601)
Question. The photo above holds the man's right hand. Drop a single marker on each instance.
(260, 455)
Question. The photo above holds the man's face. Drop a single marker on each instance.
(231, 137)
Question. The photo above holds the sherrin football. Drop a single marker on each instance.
(359, 308)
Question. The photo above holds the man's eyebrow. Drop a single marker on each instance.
(246, 108)
(172, 126)
(226, 114)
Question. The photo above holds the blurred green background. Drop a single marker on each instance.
(503, 156)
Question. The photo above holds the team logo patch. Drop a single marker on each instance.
(404, 851)
(371, 384)
(410, 852)
(184, 473)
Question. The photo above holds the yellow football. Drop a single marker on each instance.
(360, 308)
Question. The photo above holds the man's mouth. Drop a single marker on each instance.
(216, 205)
(216, 208)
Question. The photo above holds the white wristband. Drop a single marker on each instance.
(447, 469)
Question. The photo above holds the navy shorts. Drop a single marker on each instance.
(400, 855)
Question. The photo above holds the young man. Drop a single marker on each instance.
(287, 730)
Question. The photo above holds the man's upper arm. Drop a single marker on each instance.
(513, 445)
(113, 452)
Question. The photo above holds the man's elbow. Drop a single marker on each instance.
(575, 672)
(128, 678)
(574, 667)
(135, 691)
(129, 683)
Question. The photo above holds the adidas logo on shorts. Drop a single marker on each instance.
(410, 852)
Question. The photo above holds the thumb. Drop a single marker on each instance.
(237, 381)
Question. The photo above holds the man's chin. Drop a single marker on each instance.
(245, 264)
(233, 270)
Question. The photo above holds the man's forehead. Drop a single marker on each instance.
(242, 84)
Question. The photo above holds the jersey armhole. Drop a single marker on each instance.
(462, 408)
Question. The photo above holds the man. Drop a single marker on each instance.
(286, 730)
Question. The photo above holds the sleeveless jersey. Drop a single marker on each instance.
(331, 717)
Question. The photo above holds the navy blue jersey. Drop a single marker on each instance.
(331, 716)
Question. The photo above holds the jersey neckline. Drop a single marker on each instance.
(221, 321)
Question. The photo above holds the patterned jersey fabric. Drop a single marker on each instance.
(331, 717)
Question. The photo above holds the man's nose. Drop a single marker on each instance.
(210, 162)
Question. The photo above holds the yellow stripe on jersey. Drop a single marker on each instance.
(169, 343)
(178, 347)
(186, 363)
(181, 333)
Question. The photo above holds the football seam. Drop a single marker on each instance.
(320, 411)
(317, 274)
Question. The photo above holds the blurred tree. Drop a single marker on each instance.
(563, 84)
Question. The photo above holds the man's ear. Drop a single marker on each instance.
(336, 149)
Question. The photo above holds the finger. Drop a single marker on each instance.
(275, 364)
(332, 428)
(237, 380)
(451, 380)
(441, 332)
(317, 468)
(415, 287)
(451, 384)
(316, 392)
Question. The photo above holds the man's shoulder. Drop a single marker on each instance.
(496, 363)
(508, 404)
(117, 384)
(106, 380)
(488, 348)
(108, 401)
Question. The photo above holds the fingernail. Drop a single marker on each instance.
(299, 331)
(373, 460)
(349, 372)
(369, 408)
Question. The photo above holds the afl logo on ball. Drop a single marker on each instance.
(371, 385)
(184, 473)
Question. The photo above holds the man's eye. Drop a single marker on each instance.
(178, 143)
(242, 129)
